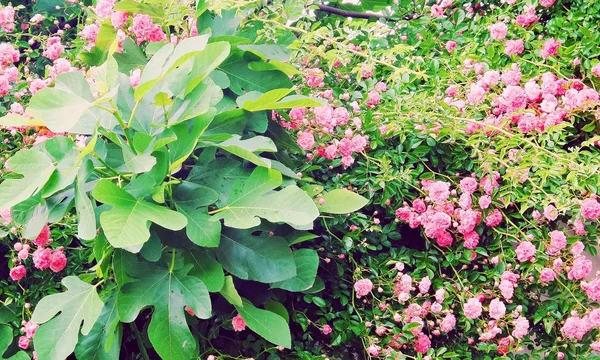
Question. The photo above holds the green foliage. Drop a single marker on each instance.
(167, 190)
(61, 316)
(168, 291)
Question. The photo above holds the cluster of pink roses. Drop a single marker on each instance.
(442, 212)
(43, 257)
(7, 18)
(8, 72)
(29, 328)
(416, 310)
(534, 106)
(328, 131)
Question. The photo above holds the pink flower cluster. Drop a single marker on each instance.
(29, 328)
(363, 287)
(443, 213)
(325, 122)
(534, 106)
(7, 18)
(145, 30)
(576, 327)
(8, 73)
(43, 257)
(54, 48)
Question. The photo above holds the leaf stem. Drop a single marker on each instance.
(217, 211)
(140, 342)
(172, 261)
(108, 167)
(123, 126)
(137, 103)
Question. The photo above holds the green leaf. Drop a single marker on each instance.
(39, 218)
(79, 306)
(268, 51)
(6, 336)
(86, 217)
(191, 200)
(276, 100)
(134, 7)
(8, 313)
(200, 229)
(246, 148)
(230, 293)
(243, 80)
(307, 263)
(19, 120)
(64, 154)
(278, 308)
(262, 258)
(61, 110)
(126, 224)
(131, 58)
(168, 292)
(342, 201)
(265, 323)
(168, 60)
(187, 137)
(199, 102)
(207, 269)
(220, 25)
(104, 340)
(254, 198)
(36, 169)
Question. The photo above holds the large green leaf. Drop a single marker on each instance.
(243, 79)
(265, 323)
(230, 293)
(8, 313)
(61, 108)
(260, 258)
(307, 263)
(342, 201)
(268, 51)
(168, 292)
(170, 59)
(36, 169)
(245, 148)
(6, 336)
(104, 340)
(134, 7)
(277, 100)
(127, 224)
(187, 137)
(200, 229)
(207, 269)
(254, 198)
(225, 24)
(131, 57)
(64, 154)
(219, 175)
(86, 218)
(79, 306)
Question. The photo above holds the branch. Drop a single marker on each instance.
(360, 15)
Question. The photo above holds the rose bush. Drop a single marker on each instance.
(472, 129)
(481, 170)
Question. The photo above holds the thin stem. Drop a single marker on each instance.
(172, 261)
(217, 210)
(137, 103)
(140, 342)
(123, 126)
(115, 172)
